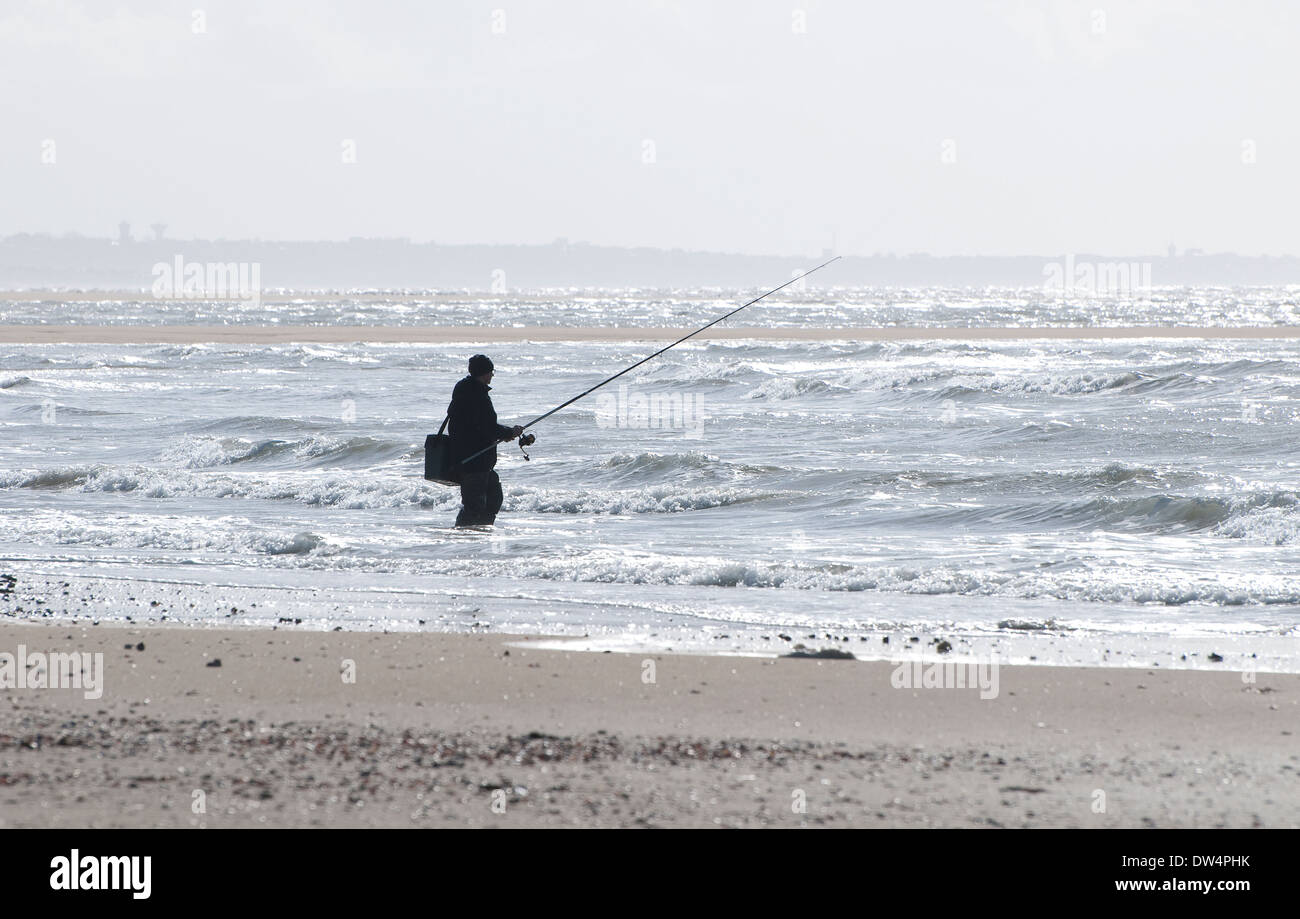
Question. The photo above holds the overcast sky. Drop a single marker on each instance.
(758, 127)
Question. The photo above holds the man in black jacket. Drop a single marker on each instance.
(472, 427)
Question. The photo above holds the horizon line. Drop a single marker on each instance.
(564, 242)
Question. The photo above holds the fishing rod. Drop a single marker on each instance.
(526, 439)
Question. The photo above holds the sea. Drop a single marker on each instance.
(1082, 501)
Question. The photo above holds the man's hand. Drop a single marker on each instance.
(516, 431)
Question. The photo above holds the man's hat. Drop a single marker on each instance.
(480, 364)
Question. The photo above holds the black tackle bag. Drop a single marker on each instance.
(438, 465)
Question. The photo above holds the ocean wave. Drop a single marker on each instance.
(14, 382)
(1173, 381)
(224, 536)
(1112, 474)
(942, 382)
(1083, 383)
(62, 410)
(1069, 384)
(662, 499)
(1045, 482)
(203, 452)
(1269, 515)
(657, 465)
(658, 462)
(1157, 587)
(1197, 512)
(65, 477)
(206, 452)
(1273, 522)
(297, 544)
(1029, 625)
(782, 388)
(361, 492)
(173, 351)
(354, 492)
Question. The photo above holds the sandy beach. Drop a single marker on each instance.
(458, 730)
(270, 335)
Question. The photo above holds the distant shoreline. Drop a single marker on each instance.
(41, 262)
(267, 335)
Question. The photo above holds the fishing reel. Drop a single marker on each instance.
(526, 440)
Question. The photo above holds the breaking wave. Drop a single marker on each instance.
(204, 452)
(357, 492)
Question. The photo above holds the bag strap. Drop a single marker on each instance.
(444, 424)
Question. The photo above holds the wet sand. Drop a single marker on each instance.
(443, 729)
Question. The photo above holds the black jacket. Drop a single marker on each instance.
(473, 425)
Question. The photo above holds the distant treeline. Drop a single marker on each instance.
(32, 261)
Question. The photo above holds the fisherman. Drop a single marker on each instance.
(473, 426)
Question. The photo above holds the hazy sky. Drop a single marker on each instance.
(760, 127)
